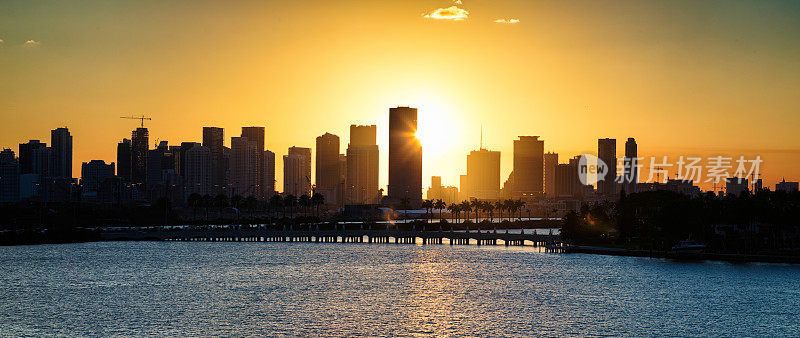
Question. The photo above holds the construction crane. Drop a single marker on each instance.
(141, 118)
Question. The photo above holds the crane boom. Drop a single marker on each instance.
(141, 118)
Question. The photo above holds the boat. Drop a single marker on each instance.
(688, 247)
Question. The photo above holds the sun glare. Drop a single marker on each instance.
(437, 129)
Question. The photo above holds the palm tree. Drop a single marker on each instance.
(475, 205)
(428, 205)
(439, 204)
(275, 202)
(221, 201)
(489, 207)
(454, 210)
(467, 207)
(250, 203)
(206, 201)
(304, 202)
(500, 206)
(316, 201)
(289, 201)
(520, 205)
(512, 207)
(194, 203)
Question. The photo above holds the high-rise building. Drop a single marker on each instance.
(61, 142)
(197, 170)
(297, 172)
(568, 182)
(244, 167)
(124, 159)
(607, 152)
(269, 174)
(93, 174)
(42, 161)
(26, 155)
(483, 175)
(405, 157)
(361, 179)
(550, 163)
(787, 186)
(528, 167)
(161, 164)
(328, 168)
(140, 140)
(256, 136)
(9, 176)
(213, 139)
(736, 186)
(630, 174)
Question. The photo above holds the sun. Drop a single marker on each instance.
(437, 129)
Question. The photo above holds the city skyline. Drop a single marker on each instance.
(694, 86)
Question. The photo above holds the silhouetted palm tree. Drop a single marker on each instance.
(428, 205)
(475, 205)
(439, 204)
(289, 201)
(275, 202)
(466, 206)
(316, 201)
(304, 202)
(454, 210)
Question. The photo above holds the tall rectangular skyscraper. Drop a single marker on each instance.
(61, 142)
(483, 175)
(528, 167)
(140, 139)
(607, 152)
(26, 155)
(124, 159)
(244, 167)
(197, 170)
(362, 170)
(630, 177)
(269, 174)
(297, 172)
(328, 167)
(405, 157)
(256, 136)
(550, 164)
(213, 138)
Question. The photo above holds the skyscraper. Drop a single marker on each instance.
(630, 176)
(124, 159)
(197, 170)
(26, 155)
(528, 166)
(297, 172)
(567, 181)
(269, 174)
(483, 175)
(405, 157)
(93, 174)
(244, 167)
(361, 179)
(607, 152)
(328, 167)
(9, 176)
(213, 139)
(61, 142)
(256, 136)
(140, 140)
(550, 163)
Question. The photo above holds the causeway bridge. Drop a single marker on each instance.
(396, 236)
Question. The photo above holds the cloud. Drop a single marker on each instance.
(32, 43)
(506, 20)
(458, 2)
(451, 13)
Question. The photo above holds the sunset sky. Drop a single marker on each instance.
(682, 77)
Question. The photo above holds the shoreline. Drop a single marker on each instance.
(733, 258)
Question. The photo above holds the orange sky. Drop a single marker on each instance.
(694, 78)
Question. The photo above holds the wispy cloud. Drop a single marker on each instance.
(451, 13)
(506, 20)
(32, 43)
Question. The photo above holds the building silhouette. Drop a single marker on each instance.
(736, 186)
(568, 183)
(405, 157)
(244, 178)
(362, 170)
(269, 174)
(630, 175)
(9, 176)
(483, 175)
(297, 172)
(93, 174)
(328, 168)
(61, 142)
(787, 186)
(26, 155)
(124, 159)
(197, 170)
(140, 139)
(256, 136)
(528, 167)
(550, 164)
(213, 139)
(437, 191)
(607, 152)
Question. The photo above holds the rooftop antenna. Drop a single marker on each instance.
(142, 118)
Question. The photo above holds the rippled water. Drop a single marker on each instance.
(137, 288)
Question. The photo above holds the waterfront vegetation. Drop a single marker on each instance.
(763, 223)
